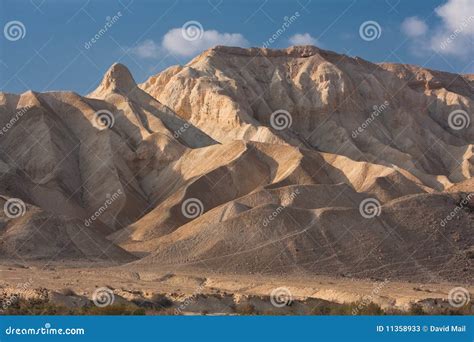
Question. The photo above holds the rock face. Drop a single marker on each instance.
(40, 235)
(83, 157)
(250, 161)
(386, 114)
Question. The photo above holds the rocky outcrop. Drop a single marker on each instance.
(247, 161)
(386, 114)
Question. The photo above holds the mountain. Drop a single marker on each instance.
(230, 93)
(249, 161)
(70, 155)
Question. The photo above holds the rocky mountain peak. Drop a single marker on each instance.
(117, 79)
(300, 51)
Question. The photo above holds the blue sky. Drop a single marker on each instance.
(53, 50)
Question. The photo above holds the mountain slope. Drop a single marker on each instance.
(231, 93)
(75, 156)
(193, 170)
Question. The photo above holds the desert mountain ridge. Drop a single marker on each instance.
(247, 161)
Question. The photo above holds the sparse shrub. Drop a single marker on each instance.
(67, 292)
(34, 307)
(245, 309)
(372, 309)
(357, 308)
(145, 304)
(322, 309)
(139, 312)
(114, 310)
(344, 309)
(161, 301)
(416, 309)
(167, 312)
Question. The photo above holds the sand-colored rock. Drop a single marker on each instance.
(230, 93)
(269, 202)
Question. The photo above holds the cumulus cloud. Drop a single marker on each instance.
(147, 49)
(414, 27)
(303, 39)
(456, 34)
(177, 42)
(455, 12)
(452, 36)
(187, 41)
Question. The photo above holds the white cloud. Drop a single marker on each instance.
(303, 39)
(414, 27)
(456, 34)
(147, 49)
(455, 12)
(176, 42)
(452, 36)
